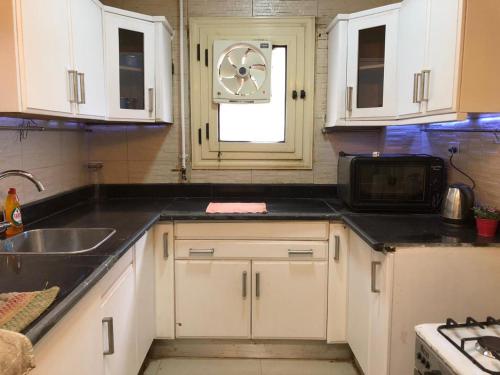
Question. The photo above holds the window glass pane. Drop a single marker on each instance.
(131, 46)
(371, 54)
(260, 122)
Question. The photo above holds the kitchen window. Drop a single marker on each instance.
(273, 135)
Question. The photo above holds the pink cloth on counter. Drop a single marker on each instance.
(236, 208)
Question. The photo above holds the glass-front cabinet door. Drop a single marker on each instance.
(130, 68)
(371, 66)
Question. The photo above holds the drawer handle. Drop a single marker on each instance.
(336, 255)
(201, 251)
(374, 277)
(292, 253)
(111, 336)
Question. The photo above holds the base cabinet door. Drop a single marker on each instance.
(145, 294)
(119, 328)
(212, 298)
(289, 299)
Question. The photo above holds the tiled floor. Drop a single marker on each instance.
(201, 366)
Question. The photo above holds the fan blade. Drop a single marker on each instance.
(247, 88)
(226, 69)
(260, 67)
(242, 83)
(235, 56)
(252, 57)
(258, 77)
(231, 84)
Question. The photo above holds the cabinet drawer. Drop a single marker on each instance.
(282, 230)
(232, 249)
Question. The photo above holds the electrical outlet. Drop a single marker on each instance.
(453, 147)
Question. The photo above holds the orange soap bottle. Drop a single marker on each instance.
(12, 213)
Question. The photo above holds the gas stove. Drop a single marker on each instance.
(470, 348)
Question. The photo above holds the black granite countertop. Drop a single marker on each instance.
(75, 274)
(278, 209)
(132, 213)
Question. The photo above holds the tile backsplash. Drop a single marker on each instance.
(57, 158)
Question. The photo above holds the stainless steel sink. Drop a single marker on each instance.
(56, 241)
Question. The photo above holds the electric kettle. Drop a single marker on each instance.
(457, 203)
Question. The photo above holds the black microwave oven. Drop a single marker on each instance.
(391, 182)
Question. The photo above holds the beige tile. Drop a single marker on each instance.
(141, 172)
(41, 149)
(153, 367)
(152, 143)
(108, 143)
(189, 366)
(113, 172)
(221, 176)
(306, 367)
(282, 177)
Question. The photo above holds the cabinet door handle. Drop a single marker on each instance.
(292, 253)
(244, 284)
(81, 83)
(111, 336)
(151, 99)
(257, 284)
(201, 251)
(426, 80)
(349, 98)
(417, 78)
(336, 255)
(374, 277)
(165, 245)
(73, 90)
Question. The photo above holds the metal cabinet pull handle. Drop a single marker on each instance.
(201, 251)
(244, 284)
(165, 245)
(426, 80)
(349, 98)
(257, 284)
(111, 336)
(81, 93)
(300, 252)
(151, 99)
(417, 79)
(374, 277)
(73, 90)
(336, 255)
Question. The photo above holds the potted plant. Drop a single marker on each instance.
(486, 220)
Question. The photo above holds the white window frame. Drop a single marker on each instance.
(298, 35)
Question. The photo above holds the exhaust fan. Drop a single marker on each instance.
(242, 71)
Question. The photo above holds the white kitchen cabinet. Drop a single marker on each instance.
(164, 280)
(289, 299)
(88, 53)
(119, 326)
(369, 295)
(46, 82)
(164, 65)
(145, 294)
(130, 67)
(446, 68)
(212, 298)
(338, 255)
(53, 55)
(428, 61)
(372, 65)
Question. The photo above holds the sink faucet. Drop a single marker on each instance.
(14, 172)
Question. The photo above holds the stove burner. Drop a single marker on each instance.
(489, 346)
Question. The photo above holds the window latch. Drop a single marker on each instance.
(302, 94)
(294, 94)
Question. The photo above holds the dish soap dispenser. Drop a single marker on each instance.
(12, 213)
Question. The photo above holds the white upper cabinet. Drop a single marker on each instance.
(45, 56)
(436, 65)
(63, 58)
(88, 53)
(130, 67)
(428, 56)
(371, 65)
